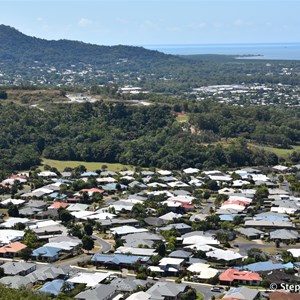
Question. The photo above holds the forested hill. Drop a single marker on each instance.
(18, 47)
(26, 60)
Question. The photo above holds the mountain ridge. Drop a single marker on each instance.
(14, 42)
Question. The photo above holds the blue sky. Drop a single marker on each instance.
(148, 22)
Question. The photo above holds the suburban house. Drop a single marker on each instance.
(47, 273)
(12, 249)
(250, 233)
(54, 287)
(166, 291)
(18, 268)
(118, 261)
(242, 293)
(170, 266)
(202, 271)
(16, 282)
(225, 256)
(100, 292)
(284, 235)
(231, 276)
(46, 254)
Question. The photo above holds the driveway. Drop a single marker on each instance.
(105, 247)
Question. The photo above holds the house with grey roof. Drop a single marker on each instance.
(29, 211)
(126, 284)
(100, 292)
(242, 293)
(284, 235)
(181, 227)
(250, 233)
(16, 282)
(18, 268)
(180, 254)
(118, 260)
(266, 224)
(155, 221)
(166, 291)
(142, 238)
(46, 273)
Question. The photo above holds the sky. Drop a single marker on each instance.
(155, 22)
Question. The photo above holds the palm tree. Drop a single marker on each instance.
(66, 287)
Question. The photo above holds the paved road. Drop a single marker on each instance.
(105, 247)
(73, 261)
(210, 203)
(245, 246)
(203, 288)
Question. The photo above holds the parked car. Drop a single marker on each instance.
(215, 289)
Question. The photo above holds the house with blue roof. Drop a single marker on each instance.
(118, 261)
(89, 174)
(54, 287)
(58, 196)
(229, 218)
(111, 187)
(46, 253)
(265, 266)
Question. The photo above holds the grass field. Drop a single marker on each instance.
(284, 153)
(182, 118)
(90, 166)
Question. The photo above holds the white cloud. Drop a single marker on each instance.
(218, 25)
(197, 25)
(239, 22)
(149, 25)
(83, 22)
(174, 29)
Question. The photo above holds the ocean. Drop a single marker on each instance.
(281, 51)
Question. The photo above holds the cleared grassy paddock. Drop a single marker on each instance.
(90, 166)
(182, 118)
(284, 153)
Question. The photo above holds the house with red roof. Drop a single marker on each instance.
(56, 205)
(237, 202)
(11, 250)
(92, 191)
(231, 276)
